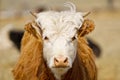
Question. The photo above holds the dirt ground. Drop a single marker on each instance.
(106, 34)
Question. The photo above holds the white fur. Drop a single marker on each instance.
(59, 27)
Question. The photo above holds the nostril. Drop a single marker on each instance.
(56, 60)
(66, 60)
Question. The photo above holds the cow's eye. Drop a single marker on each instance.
(73, 38)
(46, 38)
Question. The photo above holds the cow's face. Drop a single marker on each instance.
(59, 34)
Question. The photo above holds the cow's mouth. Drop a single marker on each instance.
(61, 66)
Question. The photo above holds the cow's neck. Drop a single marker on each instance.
(76, 72)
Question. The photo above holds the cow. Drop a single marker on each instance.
(54, 47)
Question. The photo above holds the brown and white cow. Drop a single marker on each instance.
(54, 48)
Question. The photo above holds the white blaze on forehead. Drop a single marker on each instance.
(64, 22)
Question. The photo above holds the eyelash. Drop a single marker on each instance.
(46, 38)
(73, 38)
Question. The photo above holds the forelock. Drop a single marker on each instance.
(60, 22)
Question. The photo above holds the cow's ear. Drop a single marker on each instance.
(86, 28)
(33, 29)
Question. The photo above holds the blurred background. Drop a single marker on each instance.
(14, 14)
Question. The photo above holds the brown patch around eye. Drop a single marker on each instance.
(46, 38)
(73, 38)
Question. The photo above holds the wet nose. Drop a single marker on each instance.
(61, 62)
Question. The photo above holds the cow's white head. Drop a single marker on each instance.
(59, 34)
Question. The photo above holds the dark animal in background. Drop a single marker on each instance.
(95, 47)
(16, 37)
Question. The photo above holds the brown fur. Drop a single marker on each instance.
(32, 66)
